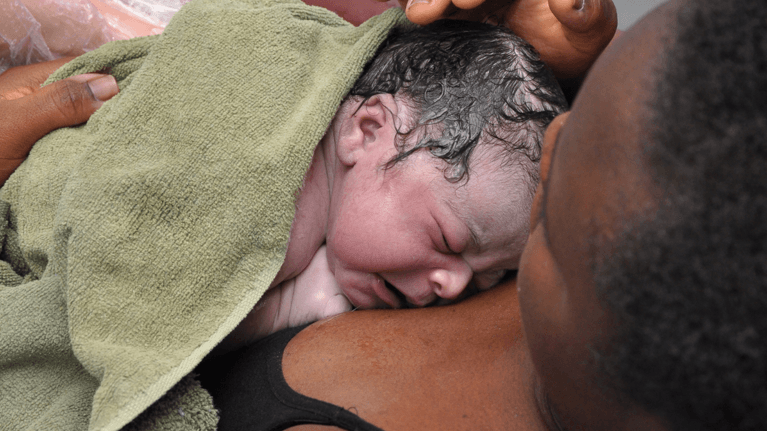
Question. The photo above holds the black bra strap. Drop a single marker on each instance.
(249, 389)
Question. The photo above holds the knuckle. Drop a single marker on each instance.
(70, 98)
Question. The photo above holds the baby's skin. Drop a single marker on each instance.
(368, 237)
(422, 185)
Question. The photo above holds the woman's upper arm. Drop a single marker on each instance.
(437, 367)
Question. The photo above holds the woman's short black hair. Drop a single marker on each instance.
(466, 81)
(688, 284)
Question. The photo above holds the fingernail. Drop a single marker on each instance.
(85, 77)
(412, 2)
(103, 88)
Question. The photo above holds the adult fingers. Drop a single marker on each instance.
(467, 4)
(61, 104)
(423, 12)
(597, 18)
(20, 81)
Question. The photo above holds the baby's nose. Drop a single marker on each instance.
(450, 282)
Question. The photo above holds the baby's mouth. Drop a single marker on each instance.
(386, 293)
(403, 302)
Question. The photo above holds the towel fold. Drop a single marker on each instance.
(133, 244)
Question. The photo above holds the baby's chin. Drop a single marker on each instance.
(367, 291)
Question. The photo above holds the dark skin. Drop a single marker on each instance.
(593, 174)
(503, 359)
(449, 356)
(30, 112)
(569, 34)
(426, 369)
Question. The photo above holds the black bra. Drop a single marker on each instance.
(250, 391)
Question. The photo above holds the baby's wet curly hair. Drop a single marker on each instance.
(466, 82)
(689, 283)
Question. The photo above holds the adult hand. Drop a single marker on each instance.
(355, 12)
(29, 112)
(569, 34)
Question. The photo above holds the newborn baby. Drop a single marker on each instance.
(423, 182)
(228, 167)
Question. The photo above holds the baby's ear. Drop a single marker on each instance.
(366, 125)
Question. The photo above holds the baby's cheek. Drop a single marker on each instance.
(343, 252)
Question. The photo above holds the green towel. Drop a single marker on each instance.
(133, 244)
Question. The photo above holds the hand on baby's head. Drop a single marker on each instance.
(569, 34)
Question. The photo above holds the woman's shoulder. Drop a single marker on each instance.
(463, 366)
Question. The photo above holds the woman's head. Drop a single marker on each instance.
(688, 283)
(643, 284)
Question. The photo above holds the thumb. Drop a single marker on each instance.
(64, 103)
(593, 17)
(423, 12)
(467, 4)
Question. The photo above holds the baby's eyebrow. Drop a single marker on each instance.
(474, 237)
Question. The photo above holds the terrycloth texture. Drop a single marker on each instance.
(132, 245)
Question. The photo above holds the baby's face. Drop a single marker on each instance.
(409, 234)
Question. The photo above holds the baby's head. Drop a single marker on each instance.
(438, 143)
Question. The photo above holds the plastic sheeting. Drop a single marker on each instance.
(32, 31)
(41, 30)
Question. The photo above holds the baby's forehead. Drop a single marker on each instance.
(497, 181)
(495, 199)
(494, 168)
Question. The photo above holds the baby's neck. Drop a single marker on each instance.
(309, 227)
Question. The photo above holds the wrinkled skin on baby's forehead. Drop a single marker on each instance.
(493, 198)
(496, 197)
(494, 194)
